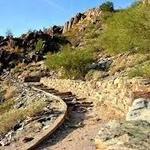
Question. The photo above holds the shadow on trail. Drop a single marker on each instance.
(76, 116)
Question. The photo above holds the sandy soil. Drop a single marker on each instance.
(76, 134)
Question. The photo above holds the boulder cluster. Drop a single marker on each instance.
(133, 133)
(23, 48)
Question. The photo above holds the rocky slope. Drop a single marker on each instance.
(30, 47)
(106, 100)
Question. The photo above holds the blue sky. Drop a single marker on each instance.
(21, 15)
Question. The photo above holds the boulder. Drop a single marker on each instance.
(140, 110)
(102, 65)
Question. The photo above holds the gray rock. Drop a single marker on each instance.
(124, 136)
(140, 110)
(102, 65)
(139, 103)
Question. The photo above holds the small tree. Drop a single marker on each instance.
(39, 45)
(107, 6)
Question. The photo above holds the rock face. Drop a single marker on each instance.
(74, 20)
(90, 15)
(140, 110)
(57, 29)
(124, 136)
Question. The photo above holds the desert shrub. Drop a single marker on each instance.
(39, 45)
(128, 30)
(71, 62)
(142, 70)
(107, 6)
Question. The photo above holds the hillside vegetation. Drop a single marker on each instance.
(70, 62)
(125, 31)
(103, 33)
(128, 30)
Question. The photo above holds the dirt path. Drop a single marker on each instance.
(77, 133)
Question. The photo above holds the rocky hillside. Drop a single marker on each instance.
(30, 47)
(97, 65)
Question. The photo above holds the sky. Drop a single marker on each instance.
(19, 16)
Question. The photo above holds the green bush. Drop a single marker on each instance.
(71, 62)
(107, 6)
(128, 30)
(39, 45)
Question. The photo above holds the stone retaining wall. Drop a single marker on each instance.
(118, 92)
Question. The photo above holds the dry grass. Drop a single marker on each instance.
(123, 62)
(11, 117)
(35, 108)
(142, 70)
(108, 112)
(6, 106)
(10, 92)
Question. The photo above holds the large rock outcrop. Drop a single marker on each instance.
(74, 20)
(90, 15)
